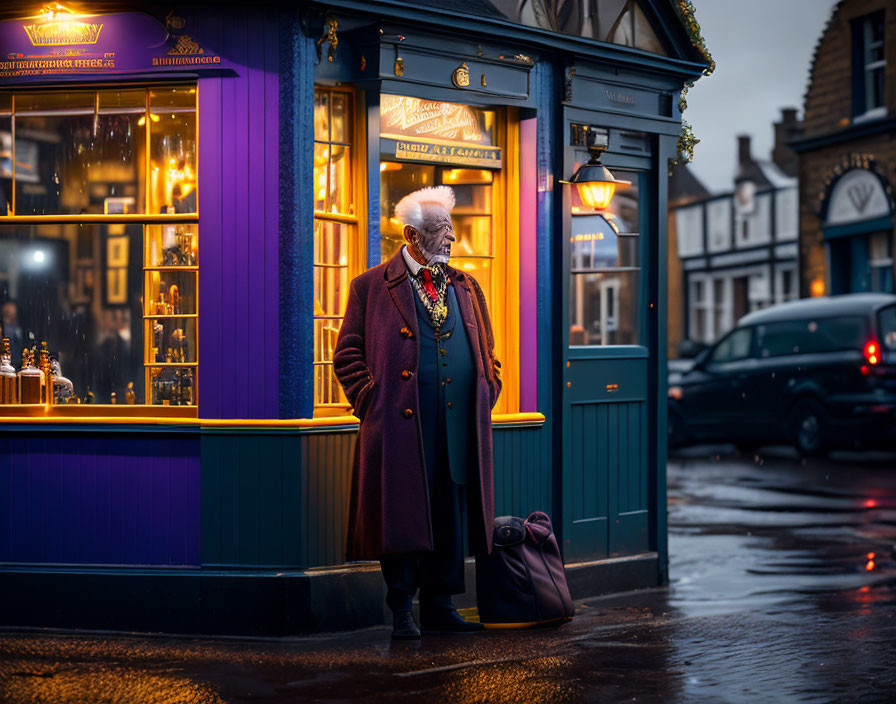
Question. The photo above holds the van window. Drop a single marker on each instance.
(848, 332)
(734, 347)
(887, 322)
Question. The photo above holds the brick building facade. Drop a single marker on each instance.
(847, 158)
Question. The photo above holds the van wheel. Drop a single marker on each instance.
(809, 427)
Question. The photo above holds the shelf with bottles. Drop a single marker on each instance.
(170, 340)
(170, 292)
(170, 246)
(171, 384)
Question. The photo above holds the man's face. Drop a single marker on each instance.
(436, 235)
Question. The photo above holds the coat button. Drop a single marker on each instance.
(443, 352)
(449, 404)
(406, 374)
(408, 412)
(406, 332)
(448, 380)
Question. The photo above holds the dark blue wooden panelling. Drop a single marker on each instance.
(99, 499)
(281, 499)
(275, 499)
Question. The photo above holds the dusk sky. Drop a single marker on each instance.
(762, 50)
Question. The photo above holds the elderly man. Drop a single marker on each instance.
(415, 356)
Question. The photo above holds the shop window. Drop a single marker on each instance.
(475, 152)
(99, 248)
(338, 249)
(868, 67)
(605, 270)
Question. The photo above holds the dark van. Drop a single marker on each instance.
(819, 373)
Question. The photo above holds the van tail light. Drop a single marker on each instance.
(872, 352)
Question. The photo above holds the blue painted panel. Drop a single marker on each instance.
(91, 499)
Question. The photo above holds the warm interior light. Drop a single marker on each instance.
(817, 288)
(596, 194)
(872, 352)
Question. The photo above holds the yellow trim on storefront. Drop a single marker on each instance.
(534, 419)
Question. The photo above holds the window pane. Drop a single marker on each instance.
(321, 162)
(339, 197)
(326, 386)
(331, 267)
(595, 244)
(170, 293)
(481, 270)
(321, 116)
(65, 285)
(172, 129)
(474, 235)
(339, 117)
(173, 340)
(72, 159)
(603, 308)
(734, 347)
(171, 245)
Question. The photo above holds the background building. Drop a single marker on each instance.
(736, 250)
(847, 159)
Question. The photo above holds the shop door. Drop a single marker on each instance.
(605, 394)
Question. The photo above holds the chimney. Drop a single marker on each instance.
(787, 130)
(743, 150)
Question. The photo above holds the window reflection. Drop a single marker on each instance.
(50, 292)
(86, 151)
(604, 270)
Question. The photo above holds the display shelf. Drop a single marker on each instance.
(170, 285)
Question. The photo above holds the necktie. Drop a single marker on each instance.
(428, 285)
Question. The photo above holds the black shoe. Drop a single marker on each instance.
(447, 620)
(403, 626)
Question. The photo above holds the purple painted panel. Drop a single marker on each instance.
(238, 222)
(110, 500)
(528, 267)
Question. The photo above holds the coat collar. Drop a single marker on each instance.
(396, 273)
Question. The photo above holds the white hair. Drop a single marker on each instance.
(409, 211)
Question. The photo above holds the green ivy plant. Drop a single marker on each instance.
(687, 140)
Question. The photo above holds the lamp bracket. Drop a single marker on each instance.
(596, 139)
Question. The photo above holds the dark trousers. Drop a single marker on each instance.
(440, 573)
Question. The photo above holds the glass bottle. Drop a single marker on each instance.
(63, 389)
(31, 379)
(7, 375)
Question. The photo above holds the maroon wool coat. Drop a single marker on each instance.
(376, 360)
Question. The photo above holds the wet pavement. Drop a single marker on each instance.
(782, 589)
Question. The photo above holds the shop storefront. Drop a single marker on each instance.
(187, 195)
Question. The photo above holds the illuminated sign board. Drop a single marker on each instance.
(412, 129)
(61, 43)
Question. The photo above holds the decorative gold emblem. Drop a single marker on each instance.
(482, 81)
(399, 66)
(461, 76)
(185, 45)
(363, 63)
(330, 37)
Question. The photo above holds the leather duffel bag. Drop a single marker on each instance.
(522, 584)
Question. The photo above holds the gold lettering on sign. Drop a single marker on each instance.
(622, 98)
(403, 116)
(62, 33)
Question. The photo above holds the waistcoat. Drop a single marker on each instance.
(446, 384)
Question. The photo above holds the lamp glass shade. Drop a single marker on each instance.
(596, 194)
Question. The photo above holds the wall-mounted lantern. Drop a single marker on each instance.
(594, 182)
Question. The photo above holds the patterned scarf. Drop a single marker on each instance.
(431, 284)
